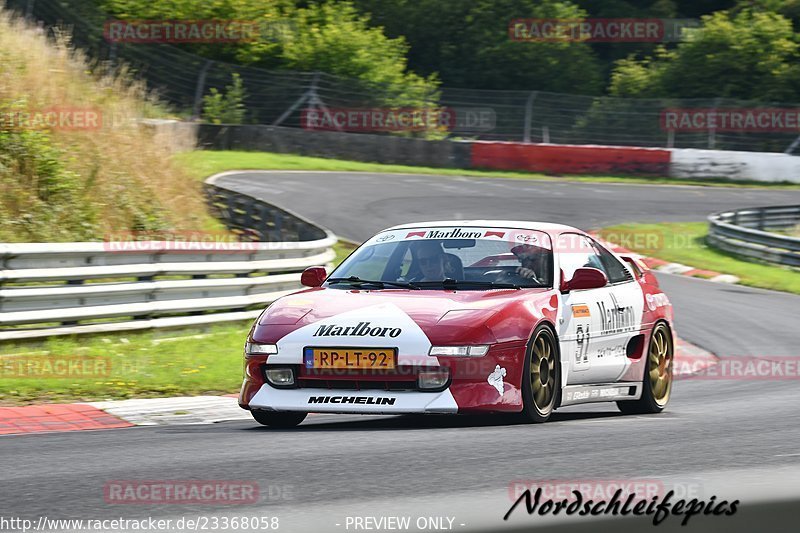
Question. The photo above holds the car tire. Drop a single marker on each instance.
(541, 377)
(657, 379)
(277, 419)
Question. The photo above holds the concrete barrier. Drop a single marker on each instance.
(757, 166)
(530, 157)
(570, 159)
(389, 149)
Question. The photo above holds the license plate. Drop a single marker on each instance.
(354, 358)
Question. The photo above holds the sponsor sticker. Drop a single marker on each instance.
(495, 379)
(581, 311)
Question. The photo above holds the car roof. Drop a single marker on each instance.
(547, 227)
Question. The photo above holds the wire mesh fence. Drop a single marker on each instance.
(181, 78)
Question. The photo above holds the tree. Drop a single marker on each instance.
(468, 44)
(326, 35)
(747, 55)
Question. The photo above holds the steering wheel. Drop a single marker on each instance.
(503, 275)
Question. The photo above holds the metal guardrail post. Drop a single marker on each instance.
(197, 108)
(526, 136)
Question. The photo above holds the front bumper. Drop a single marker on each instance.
(349, 401)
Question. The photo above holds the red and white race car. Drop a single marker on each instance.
(464, 317)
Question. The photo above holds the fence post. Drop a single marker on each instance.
(198, 91)
(793, 146)
(307, 96)
(112, 53)
(29, 9)
(712, 132)
(526, 136)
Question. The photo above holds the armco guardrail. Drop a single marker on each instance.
(66, 288)
(743, 232)
(257, 220)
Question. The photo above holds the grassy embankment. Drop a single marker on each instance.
(684, 242)
(95, 171)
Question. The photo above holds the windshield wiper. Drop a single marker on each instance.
(382, 284)
(450, 283)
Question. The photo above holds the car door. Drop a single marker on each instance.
(580, 318)
(596, 324)
(621, 317)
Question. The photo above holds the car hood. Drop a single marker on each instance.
(439, 314)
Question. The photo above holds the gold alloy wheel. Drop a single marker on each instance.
(543, 372)
(659, 366)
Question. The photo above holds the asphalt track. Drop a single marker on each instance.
(729, 438)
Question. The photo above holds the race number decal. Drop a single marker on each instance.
(582, 337)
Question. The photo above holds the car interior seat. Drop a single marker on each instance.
(453, 267)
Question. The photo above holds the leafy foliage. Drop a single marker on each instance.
(747, 55)
(327, 36)
(227, 108)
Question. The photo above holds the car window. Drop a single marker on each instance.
(576, 251)
(371, 265)
(521, 257)
(614, 269)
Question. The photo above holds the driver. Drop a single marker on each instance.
(430, 258)
(531, 261)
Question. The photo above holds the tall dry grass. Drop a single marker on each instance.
(79, 184)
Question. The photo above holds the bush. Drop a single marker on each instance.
(225, 108)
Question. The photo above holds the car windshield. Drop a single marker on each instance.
(468, 258)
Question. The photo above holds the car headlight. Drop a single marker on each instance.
(253, 348)
(279, 376)
(433, 379)
(478, 350)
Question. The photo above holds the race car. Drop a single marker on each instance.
(464, 317)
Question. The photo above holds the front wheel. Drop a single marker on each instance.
(541, 379)
(657, 380)
(278, 419)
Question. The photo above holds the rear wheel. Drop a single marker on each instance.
(657, 380)
(278, 419)
(541, 379)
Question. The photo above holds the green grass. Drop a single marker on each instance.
(343, 249)
(684, 242)
(202, 164)
(129, 365)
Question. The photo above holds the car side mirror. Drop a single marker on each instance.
(585, 278)
(313, 276)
